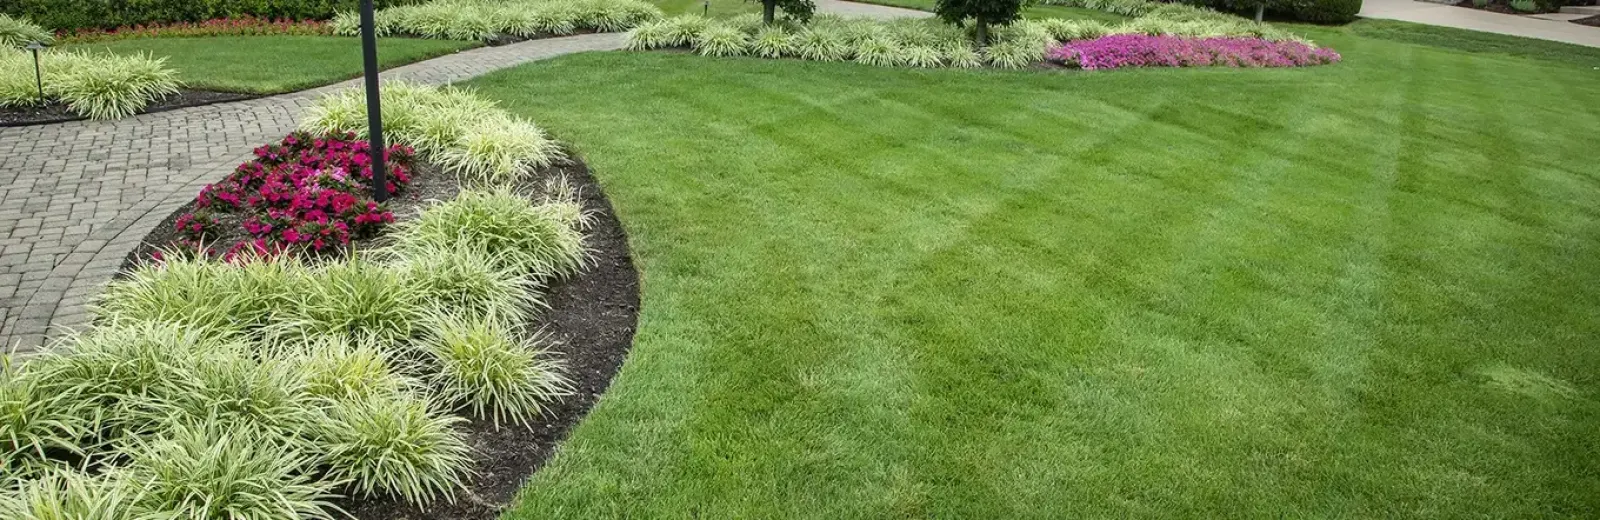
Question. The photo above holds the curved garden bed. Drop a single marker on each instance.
(591, 318)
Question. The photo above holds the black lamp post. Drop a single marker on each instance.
(38, 75)
(375, 147)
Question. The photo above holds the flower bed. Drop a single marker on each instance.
(1140, 50)
(310, 193)
(245, 26)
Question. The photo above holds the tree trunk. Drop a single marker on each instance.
(1261, 9)
(769, 11)
(982, 33)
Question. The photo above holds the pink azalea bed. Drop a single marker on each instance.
(1139, 50)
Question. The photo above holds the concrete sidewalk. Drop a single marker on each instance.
(1476, 20)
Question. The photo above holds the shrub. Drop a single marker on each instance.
(772, 42)
(465, 133)
(721, 40)
(1132, 50)
(469, 281)
(393, 444)
(543, 239)
(17, 32)
(243, 26)
(208, 471)
(480, 365)
(1323, 11)
(69, 495)
(357, 298)
(106, 14)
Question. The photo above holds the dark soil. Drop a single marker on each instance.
(1592, 21)
(57, 112)
(591, 322)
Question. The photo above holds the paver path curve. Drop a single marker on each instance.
(76, 197)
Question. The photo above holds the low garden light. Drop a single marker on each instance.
(375, 147)
(707, 6)
(38, 74)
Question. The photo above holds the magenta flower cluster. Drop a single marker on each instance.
(307, 192)
(1140, 50)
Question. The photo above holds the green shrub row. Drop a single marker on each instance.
(95, 85)
(925, 43)
(917, 43)
(490, 19)
(1324, 11)
(107, 14)
(263, 388)
(466, 134)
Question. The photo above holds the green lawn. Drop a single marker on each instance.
(1366, 290)
(274, 64)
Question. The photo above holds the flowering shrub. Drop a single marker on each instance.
(1139, 50)
(307, 192)
(246, 26)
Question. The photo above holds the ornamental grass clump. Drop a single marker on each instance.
(482, 365)
(466, 134)
(35, 420)
(237, 392)
(358, 298)
(109, 86)
(18, 32)
(1136, 50)
(822, 44)
(772, 42)
(64, 494)
(544, 240)
(393, 444)
(722, 40)
(338, 368)
(210, 471)
(488, 20)
(470, 281)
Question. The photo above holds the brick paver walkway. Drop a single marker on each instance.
(76, 197)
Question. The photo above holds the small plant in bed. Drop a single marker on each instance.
(94, 85)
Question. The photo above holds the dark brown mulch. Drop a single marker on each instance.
(591, 320)
(57, 112)
(1592, 21)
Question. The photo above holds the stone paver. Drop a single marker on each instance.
(1478, 20)
(76, 197)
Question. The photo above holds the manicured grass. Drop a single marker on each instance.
(1474, 41)
(1364, 290)
(1032, 11)
(273, 64)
